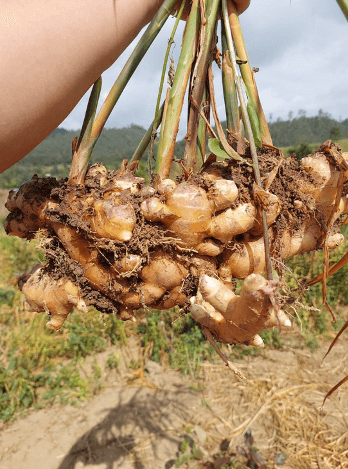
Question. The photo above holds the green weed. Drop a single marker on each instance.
(225, 458)
(17, 255)
(113, 361)
(182, 342)
(190, 451)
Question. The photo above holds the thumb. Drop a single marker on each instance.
(241, 6)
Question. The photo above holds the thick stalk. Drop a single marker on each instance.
(343, 4)
(247, 74)
(135, 58)
(234, 124)
(84, 148)
(166, 144)
(164, 69)
(165, 62)
(208, 35)
(229, 88)
(90, 113)
(248, 130)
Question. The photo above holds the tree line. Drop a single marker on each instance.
(53, 156)
(305, 130)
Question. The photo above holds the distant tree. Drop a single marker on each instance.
(322, 113)
(306, 130)
(335, 133)
(270, 117)
(302, 140)
(290, 115)
(300, 151)
(58, 130)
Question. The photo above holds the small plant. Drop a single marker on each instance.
(97, 371)
(189, 451)
(183, 342)
(7, 295)
(113, 361)
(247, 456)
(66, 384)
(272, 337)
(134, 364)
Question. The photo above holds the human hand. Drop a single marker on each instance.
(241, 6)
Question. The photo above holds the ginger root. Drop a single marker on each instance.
(55, 297)
(235, 319)
(120, 245)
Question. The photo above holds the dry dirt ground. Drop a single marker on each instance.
(139, 421)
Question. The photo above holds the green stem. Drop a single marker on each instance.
(84, 148)
(208, 33)
(140, 150)
(249, 132)
(164, 69)
(135, 58)
(90, 113)
(343, 4)
(247, 74)
(234, 124)
(166, 145)
(170, 42)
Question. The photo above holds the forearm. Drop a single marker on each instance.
(51, 53)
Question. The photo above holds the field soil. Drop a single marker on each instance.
(140, 419)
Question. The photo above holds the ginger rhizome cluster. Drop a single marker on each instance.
(120, 245)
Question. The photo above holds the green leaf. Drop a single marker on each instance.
(254, 122)
(12, 364)
(215, 146)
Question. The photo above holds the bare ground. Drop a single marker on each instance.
(139, 421)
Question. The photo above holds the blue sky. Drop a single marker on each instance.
(300, 47)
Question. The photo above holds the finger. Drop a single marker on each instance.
(241, 5)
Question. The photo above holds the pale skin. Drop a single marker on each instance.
(51, 53)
